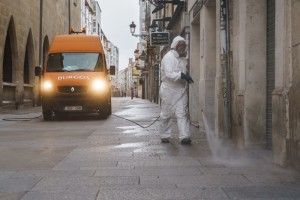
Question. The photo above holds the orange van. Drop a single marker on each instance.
(75, 78)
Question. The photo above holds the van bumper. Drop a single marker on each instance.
(87, 104)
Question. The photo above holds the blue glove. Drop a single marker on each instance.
(187, 77)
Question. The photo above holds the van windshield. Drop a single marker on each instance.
(68, 62)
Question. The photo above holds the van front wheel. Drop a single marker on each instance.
(47, 115)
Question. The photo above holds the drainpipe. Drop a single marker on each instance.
(69, 13)
(224, 56)
(41, 33)
(38, 100)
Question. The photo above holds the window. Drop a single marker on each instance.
(66, 62)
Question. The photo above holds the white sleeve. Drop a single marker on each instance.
(169, 64)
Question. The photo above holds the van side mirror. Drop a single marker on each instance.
(38, 71)
(112, 70)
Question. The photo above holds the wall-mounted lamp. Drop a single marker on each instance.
(132, 27)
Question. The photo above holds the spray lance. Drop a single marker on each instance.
(190, 81)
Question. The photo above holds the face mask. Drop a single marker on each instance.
(181, 50)
(183, 54)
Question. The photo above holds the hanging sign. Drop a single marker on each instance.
(159, 38)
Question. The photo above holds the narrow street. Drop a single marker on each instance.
(84, 158)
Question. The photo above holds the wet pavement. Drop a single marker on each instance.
(83, 158)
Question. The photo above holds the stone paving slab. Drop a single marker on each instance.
(87, 194)
(170, 163)
(52, 173)
(157, 171)
(22, 158)
(82, 183)
(162, 194)
(11, 185)
(201, 181)
(11, 196)
(6, 174)
(71, 165)
(272, 192)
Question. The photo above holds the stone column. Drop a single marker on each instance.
(208, 63)
(249, 73)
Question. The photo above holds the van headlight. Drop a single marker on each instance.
(98, 85)
(47, 85)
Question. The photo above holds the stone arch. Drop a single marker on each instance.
(10, 60)
(29, 60)
(10, 53)
(28, 70)
(46, 46)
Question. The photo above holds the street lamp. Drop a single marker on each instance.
(132, 27)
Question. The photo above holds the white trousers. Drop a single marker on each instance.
(180, 109)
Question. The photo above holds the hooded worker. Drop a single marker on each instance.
(173, 92)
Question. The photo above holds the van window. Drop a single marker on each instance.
(67, 62)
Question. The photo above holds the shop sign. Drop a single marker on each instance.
(159, 38)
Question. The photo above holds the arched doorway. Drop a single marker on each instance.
(10, 95)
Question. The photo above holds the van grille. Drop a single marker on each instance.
(72, 89)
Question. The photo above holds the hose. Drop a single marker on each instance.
(136, 122)
(29, 119)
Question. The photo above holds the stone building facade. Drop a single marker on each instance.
(23, 46)
(245, 58)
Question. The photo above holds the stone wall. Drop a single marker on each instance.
(21, 21)
(248, 75)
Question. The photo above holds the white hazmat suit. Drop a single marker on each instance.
(173, 94)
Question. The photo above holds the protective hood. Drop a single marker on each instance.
(176, 40)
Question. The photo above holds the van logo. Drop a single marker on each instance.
(72, 89)
(77, 77)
